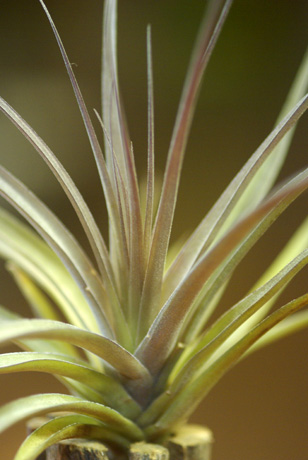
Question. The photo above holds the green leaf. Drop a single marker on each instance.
(186, 401)
(38, 301)
(121, 151)
(30, 406)
(44, 346)
(207, 230)
(113, 210)
(229, 323)
(20, 244)
(288, 326)
(223, 274)
(150, 183)
(265, 178)
(66, 427)
(125, 363)
(81, 208)
(62, 242)
(111, 391)
(199, 355)
(208, 35)
(295, 245)
(164, 332)
(82, 211)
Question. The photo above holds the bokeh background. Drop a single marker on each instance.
(260, 409)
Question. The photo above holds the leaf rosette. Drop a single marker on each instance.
(132, 340)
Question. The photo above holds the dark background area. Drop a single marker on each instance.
(260, 409)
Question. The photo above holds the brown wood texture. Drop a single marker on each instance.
(78, 450)
(190, 442)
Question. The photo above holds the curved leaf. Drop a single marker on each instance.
(125, 363)
(110, 389)
(265, 177)
(44, 346)
(40, 305)
(81, 208)
(116, 234)
(297, 243)
(21, 245)
(201, 354)
(227, 326)
(186, 401)
(164, 332)
(66, 427)
(100, 161)
(207, 230)
(62, 242)
(24, 408)
(288, 326)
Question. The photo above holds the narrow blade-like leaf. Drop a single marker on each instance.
(228, 324)
(66, 427)
(208, 36)
(265, 178)
(24, 408)
(81, 208)
(62, 242)
(113, 211)
(19, 244)
(148, 219)
(164, 332)
(207, 230)
(38, 301)
(110, 389)
(126, 364)
(288, 326)
(42, 346)
(199, 355)
(187, 400)
(222, 275)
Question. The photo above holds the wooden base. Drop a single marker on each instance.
(78, 450)
(190, 442)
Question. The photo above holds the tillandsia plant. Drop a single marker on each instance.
(130, 336)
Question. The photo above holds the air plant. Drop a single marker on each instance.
(137, 348)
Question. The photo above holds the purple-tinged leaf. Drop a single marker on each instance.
(83, 213)
(208, 36)
(199, 354)
(111, 391)
(148, 219)
(164, 332)
(81, 208)
(124, 363)
(61, 241)
(100, 161)
(207, 230)
(42, 346)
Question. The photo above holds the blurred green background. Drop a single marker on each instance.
(260, 409)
